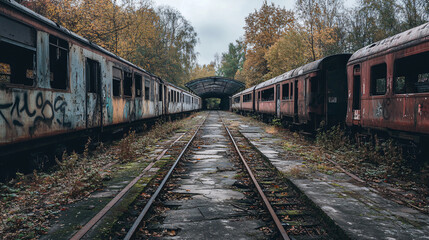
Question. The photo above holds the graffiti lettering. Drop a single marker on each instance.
(44, 112)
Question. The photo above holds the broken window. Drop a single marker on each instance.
(128, 84)
(412, 74)
(285, 91)
(247, 98)
(92, 76)
(16, 64)
(138, 84)
(17, 52)
(116, 81)
(378, 79)
(146, 88)
(268, 94)
(58, 62)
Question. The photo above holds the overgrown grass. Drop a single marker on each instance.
(382, 158)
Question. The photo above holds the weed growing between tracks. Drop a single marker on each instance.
(28, 203)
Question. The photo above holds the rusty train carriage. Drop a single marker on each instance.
(381, 87)
(388, 84)
(307, 95)
(53, 81)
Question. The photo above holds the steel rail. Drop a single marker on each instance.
(89, 225)
(258, 187)
(142, 214)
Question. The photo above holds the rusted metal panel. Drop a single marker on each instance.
(397, 42)
(42, 59)
(27, 114)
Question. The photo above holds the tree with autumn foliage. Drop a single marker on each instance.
(289, 52)
(263, 28)
(160, 40)
(203, 71)
(321, 23)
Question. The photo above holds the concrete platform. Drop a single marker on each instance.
(359, 210)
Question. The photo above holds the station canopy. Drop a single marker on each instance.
(217, 87)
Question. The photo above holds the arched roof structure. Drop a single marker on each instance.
(215, 86)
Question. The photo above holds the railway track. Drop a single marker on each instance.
(216, 188)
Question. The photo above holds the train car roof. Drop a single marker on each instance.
(399, 41)
(244, 91)
(56, 26)
(305, 69)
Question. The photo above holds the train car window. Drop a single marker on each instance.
(291, 90)
(128, 84)
(92, 71)
(146, 88)
(138, 84)
(17, 64)
(160, 92)
(58, 62)
(267, 95)
(412, 74)
(237, 99)
(314, 88)
(116, 81)
(247, 97)
(378, 79)
(285, 91)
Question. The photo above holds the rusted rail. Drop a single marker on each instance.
(258, 187)
(88, 226)
(160, 187)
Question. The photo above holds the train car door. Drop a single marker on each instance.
(154, 94)
(93, 99)
(165, 101)
(356, 104)
(278, 100)
(295, 101)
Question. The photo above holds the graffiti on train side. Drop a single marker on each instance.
(42, 111)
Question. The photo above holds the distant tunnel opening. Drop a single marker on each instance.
(216, 103)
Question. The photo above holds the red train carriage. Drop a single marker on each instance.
(388, 84)
(307, 95)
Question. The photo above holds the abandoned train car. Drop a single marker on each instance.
(388, 85)
(54, 82)
(306, 95)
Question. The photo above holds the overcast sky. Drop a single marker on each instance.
(217, 22)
